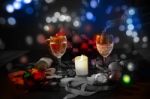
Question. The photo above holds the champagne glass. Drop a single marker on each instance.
(58, 45)
(104, 45)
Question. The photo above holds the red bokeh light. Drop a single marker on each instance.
(84, 46)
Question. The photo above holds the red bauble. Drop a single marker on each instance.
(39, 75)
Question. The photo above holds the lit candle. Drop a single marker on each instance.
(81, 65)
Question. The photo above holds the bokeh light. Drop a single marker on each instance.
(63, 9)
(54, 19)
(76, 23)
(11, 21)
(62, 18)
(129, 21)
(131, 66)
(57, 14)
(27, 1)
(49, 1)
(9, 8)
(129, 33)
(136, 39)
(134, 34)
(126, 79)
(130, 27)
(131, 11)
(116, 40)
(46, 27)
(93, 3)
(17, 5)
(144, 45)
(18, 0)
(122, 28)
(68, 18)
(29, 40)
(48, 19)
(41, 39)
(123, 56)
(23, 59)
(9, 66)
(145, 39)
(76, 39)
(108, 9)
(29, 10)
(89, 15)
(2, 21)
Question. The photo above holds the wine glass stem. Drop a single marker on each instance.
(104, 61)
(59, 65)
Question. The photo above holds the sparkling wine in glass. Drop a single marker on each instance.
(58, 45)
(104, 45)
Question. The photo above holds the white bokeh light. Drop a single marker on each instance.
(9, 8)
(144, 45)
(46, 27)
(129, 33)
(29, 40)
(48, 19)
(136, 39)
(57, 14)
(145, 39)
(11, 21)
(76, 23)
(62, 18)
(134, 34)
(49, 1)
(54, 19)
(130, 66)
(123, 56)
(68, 18)
(63, 9)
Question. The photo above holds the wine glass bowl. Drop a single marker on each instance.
(58, 45)
(104, 44)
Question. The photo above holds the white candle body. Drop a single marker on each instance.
(81, 65)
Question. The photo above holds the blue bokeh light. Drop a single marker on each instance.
(93, 3)
(19, 0)
(27, 1)
(89, 16)
(130, 27)
(108, 10)
(9, 8)
(29, 10)
(131, 11)
(129, 21)
(122, 28)
(17, 5)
